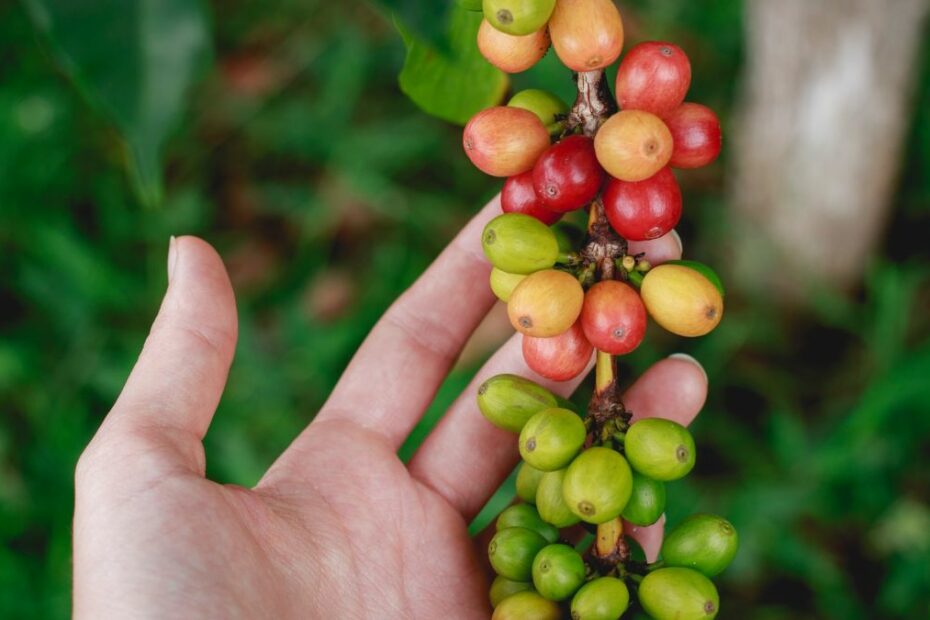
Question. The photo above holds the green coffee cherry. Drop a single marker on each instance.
(605, 598)
(508, 401)
(543, 104)
(525, 605)
(502, 587)
(647, 501)
(678, 594)
(551, 438)
(528, 478)
(518, 243)
(558, 572)
(597, 485)
(524, 515)
(503, 283)
(659, 448)
(512, 550)
(519, 17)
(706, 543)
(550, 502)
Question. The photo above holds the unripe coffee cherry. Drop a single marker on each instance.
(528, 479)
(696, 132)
(645, 209)
(604, 598)
(503, 283)
(660, 449)
(551, 439)
(654, 76)
(613, 317)
(647, 502)
(519, 196)
(586, 34)
(512, 550)
(551, 503)
(502, 587)
(518, 17)
(510, 53)
(523, 605)
(706, 543)
(567, 175)
(548, 107)
(547, 303)
(561, 357)
(597, 485)
(633, 145)
(524, 515)
(558, 572)
(682, 300)
(520, 244)
(508, 401)
(678, 594)
(504, 141)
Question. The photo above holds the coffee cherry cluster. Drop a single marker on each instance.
(571, 292)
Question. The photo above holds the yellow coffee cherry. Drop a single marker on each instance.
(682, 300)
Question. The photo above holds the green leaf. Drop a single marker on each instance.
(427, 19)
(454, 84)
(135, 60)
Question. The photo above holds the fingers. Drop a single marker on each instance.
(674, 388)
(466, 458)
(396, 372)
(648, 537)
(180, 375)
(657, 251)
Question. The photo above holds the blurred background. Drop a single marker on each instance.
(276, 130)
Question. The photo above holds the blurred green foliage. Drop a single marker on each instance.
(327, 193)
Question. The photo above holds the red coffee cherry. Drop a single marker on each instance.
(696, 134)
(567, 176)
(644, 209)
(561, 357)
(518, 196)
(613, 317)
(654, 76)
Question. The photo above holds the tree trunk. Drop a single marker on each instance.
(819, 137)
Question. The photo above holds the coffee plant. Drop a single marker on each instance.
(576, 292)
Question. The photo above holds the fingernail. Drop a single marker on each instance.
(172, 256)
(688, 358)
(677, 238)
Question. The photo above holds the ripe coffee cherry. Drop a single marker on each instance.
(503, 283)
(508, 401)
(510, 53)
(551, 439)
(645, 209)
(696, 132)
(551, 503)
(504, 141)
(523, 605)
(545, 304)
(519, 196)
(502, 587)
(647, 502)
(561, 357)
(518, 17)
(567, 176)
(558, 572)
(524, 515)
(682, 300)
(597, 485)
(706, 543)
(654, 76)
(613, 317)
(660, 449)
(586, 34)
(678, 594)
(528, 478)
(633, 145)
(512, 550)
(543, 104)
(604, 598)
(519, 244)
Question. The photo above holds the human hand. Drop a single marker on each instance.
(338, 527)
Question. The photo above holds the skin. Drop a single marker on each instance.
(338, 526)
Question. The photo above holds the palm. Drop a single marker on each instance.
(338, 526)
